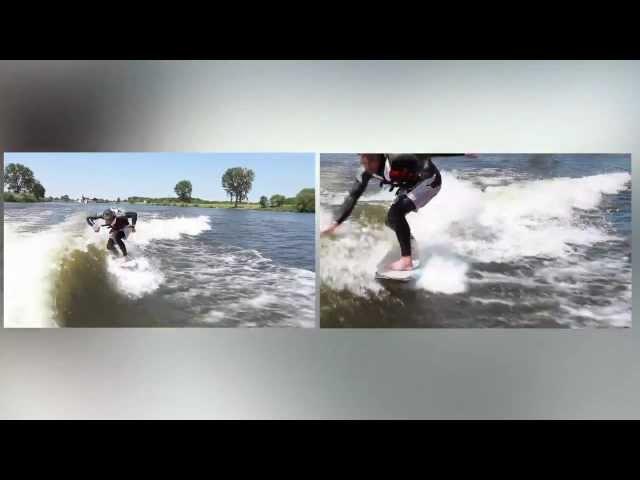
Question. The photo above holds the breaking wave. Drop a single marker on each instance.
(63, 276)
(551, 223)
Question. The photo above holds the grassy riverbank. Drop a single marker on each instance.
(304, 202)
(215, 204)
(20, 197)
(290, 205)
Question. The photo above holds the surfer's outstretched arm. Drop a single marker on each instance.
(358, 188)
(91, 221)
(133, 216)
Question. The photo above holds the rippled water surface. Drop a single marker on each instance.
(191, 267)
(510, 241)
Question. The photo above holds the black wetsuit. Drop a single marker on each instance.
(403, 205)
(116, 229)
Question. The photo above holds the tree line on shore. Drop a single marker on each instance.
(237, 182)
(22, 184)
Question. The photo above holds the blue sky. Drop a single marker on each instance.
(112, 175)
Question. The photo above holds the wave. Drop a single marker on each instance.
(244, 288)
(467, 224)
(62, 276)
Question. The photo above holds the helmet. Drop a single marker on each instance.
(108, 215)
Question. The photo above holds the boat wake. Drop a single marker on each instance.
(527, 232)
(63, 276)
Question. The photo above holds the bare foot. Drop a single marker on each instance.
(330, 230)
(403, 264)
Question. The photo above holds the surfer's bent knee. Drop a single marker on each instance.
(398, 210)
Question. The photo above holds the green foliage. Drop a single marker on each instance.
(19, 197)
(277, 200)
(18, 178)
(38, 190)
(306, 200)
(237, 182)
(94, 199)
(183, 190)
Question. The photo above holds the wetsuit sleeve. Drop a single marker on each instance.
(358, 188)
(133, 216)
(92, 220)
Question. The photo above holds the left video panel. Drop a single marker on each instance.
(159, 240)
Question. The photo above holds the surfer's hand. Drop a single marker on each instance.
(330, 230)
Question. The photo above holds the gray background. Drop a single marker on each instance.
(472, 106)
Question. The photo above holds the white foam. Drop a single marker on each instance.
(463, 223)
(533, 218)
(28, 264)
(444, 275)
(168, 229)
(137, 280)
(614, 315)
(30, 260)
(487, 301)
(349, 260)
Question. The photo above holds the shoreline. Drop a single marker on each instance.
(250, 206)
(255, 207)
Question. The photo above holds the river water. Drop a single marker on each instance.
(195, 267)
(510, 241)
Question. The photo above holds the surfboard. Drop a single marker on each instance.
(128, 262)
(382, 273)
(400, 275)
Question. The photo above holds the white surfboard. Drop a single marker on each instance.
(127, 262)
(400, 275)
(383, 273)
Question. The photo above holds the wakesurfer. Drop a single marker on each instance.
(119, 227)
(417, 180)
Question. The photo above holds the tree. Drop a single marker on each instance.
(18, 178)
(118, 200)
(306, 200)
(264, 201)
(237, 182)
(183, 190)
(277, 200)
(38, 190)
(65, 198)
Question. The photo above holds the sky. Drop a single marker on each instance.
(112, 175)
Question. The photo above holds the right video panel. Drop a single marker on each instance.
(454, 240)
